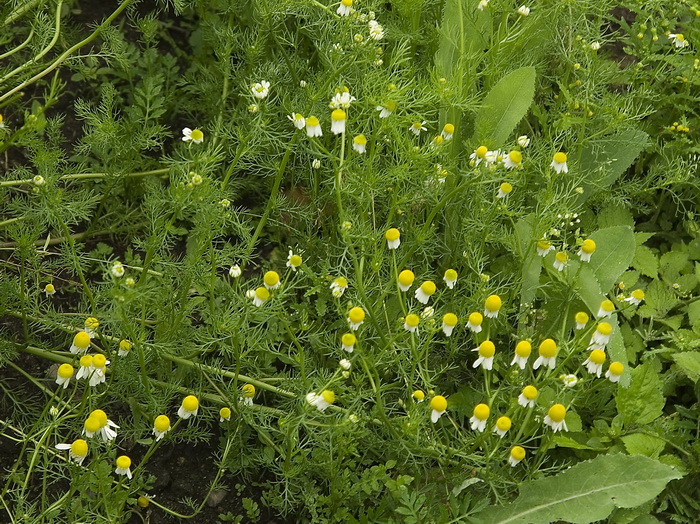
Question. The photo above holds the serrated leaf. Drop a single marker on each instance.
(615, 215)
(643, 444)
(605, 159)
(689, 363)
(504, 106)
(672, 263)
(694, 313)
(658, 301)
(643, 401)
(615, 248)
(586, 492)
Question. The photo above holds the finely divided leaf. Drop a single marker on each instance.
(587, 492)
(504, 106)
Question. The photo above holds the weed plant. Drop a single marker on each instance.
(403, 261)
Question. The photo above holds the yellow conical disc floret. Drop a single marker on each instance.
(271, 279)
(101, 416)
(548, 348)
(557, 412)
(79, 448)
(493, 303)
(248, 390)
(162, 423)
(356, 315)
(81, 340)
(530, 392)
(438, 403)
(328, 396)
(487, 349)
(482, 411)
(450, 319)
(523, 348)
(406, 277)
(190, 403)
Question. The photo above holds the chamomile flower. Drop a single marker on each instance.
(417, 127)
(517, 454)
(493, 156)
(260, 296)
(99, 372)
(322, 400)
(438, 405)
(601, 336)
(86, 368)
(376, 31)
(91, 426)
(2, 122)
(503, 424)
(486, 350)
(586, 250)
(606, 309)
(448, 131)
(548, 354)
(569, 380)
(474, 322)
(248, 392)
(406, 278)
(411, 323)
(555, 418)
(345, 8)
(338, 119)
(117, 269)
(636, 297)
(124, 347)
(559, 163)
(348, 341)
(313, 127)
(345, 364)
(161, 426)
(615, 371)
(338, 286)
(359, 144)
(449, 322)
(528, 397)
(581, 319)
(425, 291)
(386, 109)
(523, 10)
(450, 278)
(224, 414)
(298, 120)
(544, 247)
(77, 451)
(480, 417)
(194, 135)
(418, 395)
(678, 40)
(104, 426)
(50, 290)
(393, 238)
(479, 154)
(91, 325)
(341, 99)
(356, 316)
(189, 407)
(523, 141)
(594, 362)
(271, 280)
(293, 261)
(81, 343)
(560, 260)
(123, 466)
(261, 89)
(64, 374)
(513, 160)
(504, 190)
(522, 353)
(492, 306)
(482, 4)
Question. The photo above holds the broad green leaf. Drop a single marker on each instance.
(461, 34)
(689, 363)
(532, 263)
(618, 352)
(658, 301)
(694, 313)
(615, 215)
(567, 442)
(644, 400)
(615, 247)
(603, 160)
(643, 444)
(504, 106)
(586, 492)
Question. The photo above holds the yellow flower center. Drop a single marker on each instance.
(506, 187)
(65, 371)
(616, 368)
(607, 305)
(638, 294)
(557, 412)
(450, 274)
(503, 423)
(412, 320)
(295, 260)
(530, 392)
(225, 413)
(418, 394)
(248, 390)
(438, 403)
(482, 411)
(162, 423)
(100, 415)
(360, 140)
(581, 317)
(123, 462)
(475, 319)
(493, 303)
(125, 345)
(562, 257)
(406, 277)
(356, 315)
(588, 246)
(81, 340)
(516, 157)
(349, 339)
(341, 282)
(79, 448)
(86, 361)
(392, 234)
(487, 349)
(560, 158)
(312, 121)
(262, 293)
(49, 288)
(271, 278)
(338, 115)
(544, 244)
(91, 322)
(548, 348)
(197, 135)
(604, 328)
(428, 287)
(597, 356)
(523, 348)
(328, 396)
(449, 129)
(517, 452)
(450, 319)
(99, 361)
(390, 105)
(190, 403)
(92, 424)
(481, 151)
